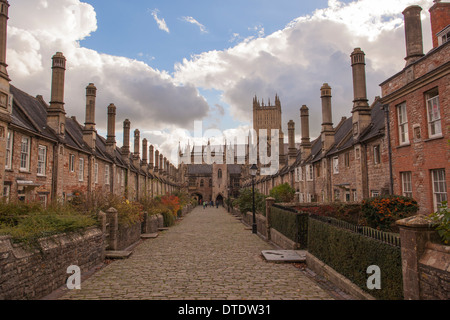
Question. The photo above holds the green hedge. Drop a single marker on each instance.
(351, 254)
(292, 224)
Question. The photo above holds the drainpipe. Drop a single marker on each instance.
(385, 107)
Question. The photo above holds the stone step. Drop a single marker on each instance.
(149, 235)
(284, 255)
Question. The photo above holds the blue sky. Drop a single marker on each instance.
(127, 28)
(207, 60)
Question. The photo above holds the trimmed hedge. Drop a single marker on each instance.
(351, 254)
(292, 224)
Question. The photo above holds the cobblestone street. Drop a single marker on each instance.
(207, 255)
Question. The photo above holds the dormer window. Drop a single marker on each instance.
(444, 35)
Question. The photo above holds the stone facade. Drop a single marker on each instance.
(46, 156)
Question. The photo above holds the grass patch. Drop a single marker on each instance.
(27, 222)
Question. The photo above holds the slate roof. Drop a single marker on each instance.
(30, 113)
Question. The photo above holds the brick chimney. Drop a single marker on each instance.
(292, 154)
(440, 19)
(89, 134)
(151, 157)
(156, 167)
(144, 151)
(111, 133)
(125, 151)
(56, 115)
(413, 34)
(361, 109)
(305, 145)
(327, 134)
(3, 38)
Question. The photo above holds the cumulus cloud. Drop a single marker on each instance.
(195, 22)
(294, 62)
(147, 96)
(160, 21)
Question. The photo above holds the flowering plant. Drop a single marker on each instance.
(382, 212)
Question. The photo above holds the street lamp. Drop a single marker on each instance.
(253, 170)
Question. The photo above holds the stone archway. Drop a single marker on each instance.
(219, 199)
(198, 197)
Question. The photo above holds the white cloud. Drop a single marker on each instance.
(309, 51)
(160, 22)
(195, 22)
(146, 96)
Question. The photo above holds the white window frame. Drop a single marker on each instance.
(439, 187)
(434, 116)
(107, 174)
(336, 165)
(71, 163)
(81, 169)
(25, 154)
(406, 178)
(403, 134)
(42, 161)
(377, 154)
(9, 149)
(375, 193)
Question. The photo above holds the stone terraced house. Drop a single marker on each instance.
(48, 156)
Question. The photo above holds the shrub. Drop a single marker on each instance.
(351, 254)
(245, 201)
(382, 212)
(350, 213)
(27, 222)
(283, 193)
(442, 220)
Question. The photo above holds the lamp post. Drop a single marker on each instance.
(253, 170)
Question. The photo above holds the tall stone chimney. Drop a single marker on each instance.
(306, 143)
(440, 19)
(282, 155)
(413, 34)
(151, 157)
(111, 134)
(125, 151)
(137, 138)
(156, 167)
(5, 105)
(161, 163)
(144, 151)
(3, 38)
(89, 134)
(327, 134)
(56, 115)
(361, 109)
(291, 139)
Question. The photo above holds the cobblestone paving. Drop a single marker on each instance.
(207, 255)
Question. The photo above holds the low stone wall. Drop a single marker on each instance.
(260, 223)
(282, 241)
(128, 235)
(34, 273)
(434, 272)
(152, 223)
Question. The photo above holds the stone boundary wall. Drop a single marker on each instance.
(34, 273)
(152, 223)
(434, 272)
(260, 223)
(128, 235)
